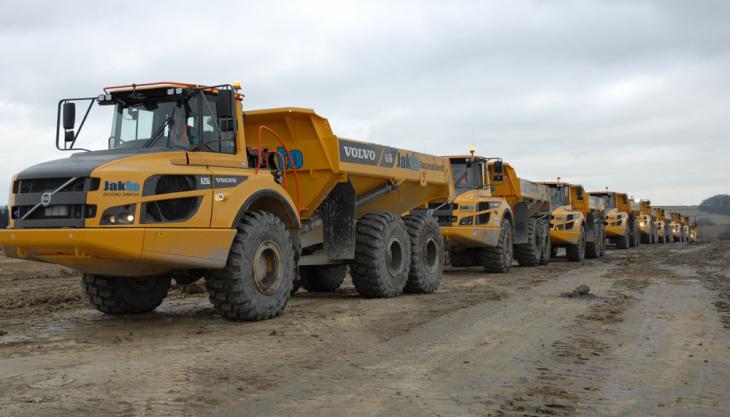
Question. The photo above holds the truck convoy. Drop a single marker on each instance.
(576, 222)
(192, 186)
(495, 216)
(621, 226)
(259, 203)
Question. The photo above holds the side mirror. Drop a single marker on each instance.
(225, 101)
(69, 115)
(498, 167)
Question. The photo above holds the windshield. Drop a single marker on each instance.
(188, 124)
(559, 196)
(465, 178)
(608, 200)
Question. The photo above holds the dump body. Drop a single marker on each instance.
(323, 160)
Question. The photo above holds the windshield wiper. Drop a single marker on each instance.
(169, 122)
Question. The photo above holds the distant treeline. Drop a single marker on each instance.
(719, 204)
(3, 217)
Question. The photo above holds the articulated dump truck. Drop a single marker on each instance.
(663, 232)
(649, 233)
(576, 222)
(675, 225)
(621, 226)
(495, 217)
(255, 202)
(693, 233)
(686, 228)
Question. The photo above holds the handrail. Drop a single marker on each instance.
(289, 159)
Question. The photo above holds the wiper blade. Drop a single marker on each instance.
(169, 122)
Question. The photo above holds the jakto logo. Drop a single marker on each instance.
(128, 186)
(359, 153)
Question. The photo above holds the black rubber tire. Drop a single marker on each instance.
(547, 243)
(554, 252)
(646, 238)
(427, 254)
(528, 254)
(322, 278)
(499, 258)
(379, 234)
(463, 257)
(577, 252)
(122, 295)
(593, 249)
(234, 290)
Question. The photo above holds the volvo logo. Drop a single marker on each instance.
(46, 199)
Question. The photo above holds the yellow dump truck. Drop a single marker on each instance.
(496, 217)
(686, 228)
(621, 227)
(663, 232)
(676, 225)
(649, 233)
(693, 237)
(256, 202)
(576, 221)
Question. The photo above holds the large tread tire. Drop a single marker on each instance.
(322, 278)
(547, 243)
(122, 295)
(528, 254)
(593, 248)
(499, 258)
(646, 239)
(427, 254)
(262, 244)
(463, 257)
(382, 256)
(577, 252)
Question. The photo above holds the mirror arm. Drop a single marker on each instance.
(58, 123)
(76, 136)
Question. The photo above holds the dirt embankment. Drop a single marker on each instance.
(650, 337)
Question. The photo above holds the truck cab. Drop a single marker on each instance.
(621, 227)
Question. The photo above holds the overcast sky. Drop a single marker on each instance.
(633, 95)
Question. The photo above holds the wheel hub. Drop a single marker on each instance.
(268, 273)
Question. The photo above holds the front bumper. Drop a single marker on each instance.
(615, 231)
(564, 237)
(121, 251)
(463, 237)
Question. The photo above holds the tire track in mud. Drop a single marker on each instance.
(577, 361)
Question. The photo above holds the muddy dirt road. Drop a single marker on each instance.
(652, 339)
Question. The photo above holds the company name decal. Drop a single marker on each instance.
(385, 156)
(121, 189)
(359, 153)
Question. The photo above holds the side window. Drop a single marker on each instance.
(579, 193)
(219, 142)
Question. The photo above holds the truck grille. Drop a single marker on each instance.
(67, 207)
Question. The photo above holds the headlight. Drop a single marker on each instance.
(122, 215)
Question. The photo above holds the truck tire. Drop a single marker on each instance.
(593, 249)
(646, 238)
(547, 243)
(322, 278)
(122, 295)
(528, 254)
(427, 254)
(499, 258)
(463, 257)
(577, 252)
(622, 242)
(382, 256)
(258, 278)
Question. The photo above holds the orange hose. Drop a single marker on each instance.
(289, 159)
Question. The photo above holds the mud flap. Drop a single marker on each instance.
(522, 214)
(338, 217)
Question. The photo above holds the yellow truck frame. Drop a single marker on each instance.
(664, 233)
(621, 227)
(649, 233)
(255, 202)
(489, 224)
(677, 228)
(576, 222)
